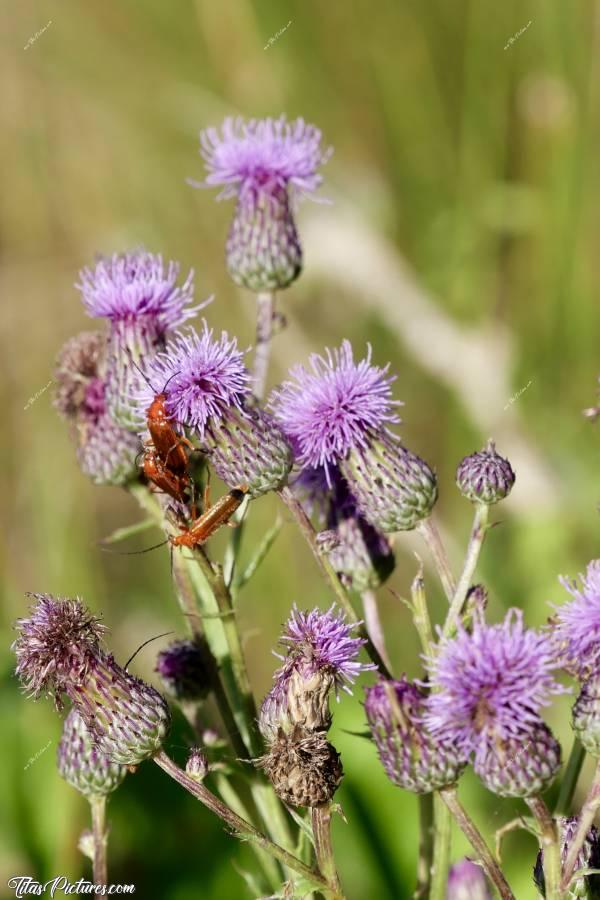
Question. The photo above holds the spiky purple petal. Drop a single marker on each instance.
(576, 632)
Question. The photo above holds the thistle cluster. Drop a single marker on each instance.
(304, 768)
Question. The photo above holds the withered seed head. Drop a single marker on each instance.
(304, 768)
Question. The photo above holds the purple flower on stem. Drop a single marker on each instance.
(490, 684)
(488, 687)
(201, 376)
(265, 164)
(140, 297)
(334, 407)
(576, 632)
(321, 655)
(337, 414)
(466, 881)
(137, 287)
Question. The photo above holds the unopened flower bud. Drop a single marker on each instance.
(411, 758)
(466, 881)
(587, 888)
(485, 476)
(197, 764)
(82, 765)
(586, 716)
(183, 668)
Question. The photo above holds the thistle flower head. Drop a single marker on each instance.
(56, 645)
(258, 155)
(82, 764)
(303, 767)
(201, 377)
(137, 286)
(79, 391)
(576, 632)
(318, 641)
(485, 476)
(334, 406)
(466, 881)
(183, 670)
(489, 685)
(411, 758)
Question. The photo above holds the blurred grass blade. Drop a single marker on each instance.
(261, 553)
(121, 534)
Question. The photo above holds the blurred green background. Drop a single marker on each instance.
(461, 240)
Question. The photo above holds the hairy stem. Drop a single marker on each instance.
(472, 833)
(586, 820)
(321, 825)
(240, 827)
(442, 834)
(550, 846)
(425, 860)
(98, 810)
(265, 310)
(478, 532)
(329, 573)
(570, 779)
(429, 532)
(374, 626)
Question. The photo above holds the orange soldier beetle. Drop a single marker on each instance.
(170, 482)
(211, 520)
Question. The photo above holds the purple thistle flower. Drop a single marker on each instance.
(201, 377)
(488, 686)
(137, 287)
(466, 881)
(335, 407)
(576, 630)
(248, 157)
(59, 652)
(265, 164)
(318, 641)
(183, 667)
(140, 297)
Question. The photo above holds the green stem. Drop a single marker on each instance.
(570, 779)
(321, 825)
(265, 311)
(421, 612)
(549, 843)
(426, 851)
(430, 534)
(478, 532)
(586, 820)
(442, 834)
(98, 810)
(330, 574)
(374, 626)
(473, 835)
(240, 827)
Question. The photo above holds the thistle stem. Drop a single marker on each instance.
(265, 311)
(472, 833)
(570, 778)
(329, 573)
(478, 532)
(240, 827)
(425, 860)
(421, 612)
(374, 626)
(321, 825)
(442, 835)
(550, 846)
(586, 820)
(98, 810)
(431, 536)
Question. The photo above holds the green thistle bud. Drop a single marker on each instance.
(485, 477)
(586, 716)
(82, 765)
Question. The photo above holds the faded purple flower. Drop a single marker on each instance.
(466, 881)
(335, 406)
(576, 629)
(488, 686)
(183, 668)
(59, 652)
(201, 377)
(265, 164)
